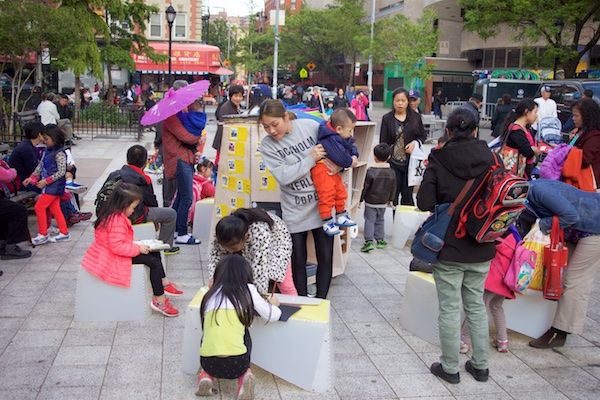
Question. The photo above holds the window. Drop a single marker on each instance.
(500, 60)
(488, 58)
(514, 58)
(293, 6)
(180, 25)
(156, 25)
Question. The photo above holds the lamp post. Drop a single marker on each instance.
(370, 70)
(171, 14)
(560, 25)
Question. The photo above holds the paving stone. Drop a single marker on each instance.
(374, 346)
(22, 377)
(568, 379)
(131, 392)
(75, 375)
(367, 387)
(399, 364)
(43, 322)
(416, 385)
(28, 356)
(83, 355)
(371, 329)
(542, 358)
(23, 393)
(89, 337)
(49, 338)
(62, 393)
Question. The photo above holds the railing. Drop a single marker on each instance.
(100, 120)
(453, 105)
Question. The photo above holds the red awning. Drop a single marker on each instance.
(186, 58)
(221, 71)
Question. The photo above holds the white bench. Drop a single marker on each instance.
(203, 212)
(97, 300)
(407, 222)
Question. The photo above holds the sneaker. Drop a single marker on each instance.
(205, 385)
(344, 220)
(330, 228)
(246, 386)
(165, 308)
(15, 253)
(40, 239)
(75, 187)
(501, 345)
(480, 375)
(61, 237)
(438, 370)
(79, 216)
(53, 231)
(381, 244)
(172, 251)
(367, 246)
(464, 347)
(172, 290)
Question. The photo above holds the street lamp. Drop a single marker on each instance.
(171, 14)
(560, 25)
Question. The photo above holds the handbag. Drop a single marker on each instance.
(416, 169)
(555, 261)
(535, 240)
(429, 239)
(512, 160)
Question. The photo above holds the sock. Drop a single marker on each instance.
(69, 181)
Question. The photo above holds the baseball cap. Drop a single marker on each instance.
(413, 94)
(546, 89)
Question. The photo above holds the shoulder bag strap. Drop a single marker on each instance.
(461, 195)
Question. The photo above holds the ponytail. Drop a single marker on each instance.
(461, 123)
(233, 229)
(524, 106)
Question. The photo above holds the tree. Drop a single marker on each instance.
(222, 36)
(535, 21)
(399, 39)
(255, 49)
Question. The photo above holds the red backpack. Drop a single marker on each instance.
(494, 205)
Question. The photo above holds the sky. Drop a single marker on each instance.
(235, 7)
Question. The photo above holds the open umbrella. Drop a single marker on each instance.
(175, 101)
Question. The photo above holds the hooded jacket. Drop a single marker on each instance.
(448, 170)
(339, 150)
(136, 176)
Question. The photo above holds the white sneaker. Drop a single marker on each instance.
(53, 231)
(344, 220)
(330, 228)
(61, 237)
(40, 239)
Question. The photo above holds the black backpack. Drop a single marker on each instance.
(107, 189)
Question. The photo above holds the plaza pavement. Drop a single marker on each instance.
(44, 354)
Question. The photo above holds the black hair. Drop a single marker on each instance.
(342, 116)
(206, 163)
(589, 93)
(524, 105)
(122, 196)
(443, 139)
(382, 151)
(413, 119)
(33, 129)
(235, 89)
(55, 133)
(461, 123)
(64, 96)
(477, 97)
(232, 275)
(506, 99)
(590, 114)
(137, 155)
(233, 228)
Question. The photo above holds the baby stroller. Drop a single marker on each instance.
(549, 131)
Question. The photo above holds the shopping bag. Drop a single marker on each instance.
(511, 158)
(535, 240)
(416, 167)
(555, 261)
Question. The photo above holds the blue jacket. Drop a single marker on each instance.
(193, 121)
(339, 150)
(575, 208)
(49, 167)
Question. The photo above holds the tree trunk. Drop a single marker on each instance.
(569, 67)
(110, 95)
(77, 95)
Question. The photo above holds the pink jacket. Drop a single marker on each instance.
(499, 265)
(7, 174)
(359, 107)
(201, 189)
(109, 257)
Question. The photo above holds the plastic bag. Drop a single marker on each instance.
(416, 166)
(536, 241)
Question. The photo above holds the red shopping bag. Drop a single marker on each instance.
(555, 261)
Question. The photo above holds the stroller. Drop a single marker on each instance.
(549, 131)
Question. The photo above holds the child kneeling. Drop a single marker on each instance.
(227, 311)
(113, 252)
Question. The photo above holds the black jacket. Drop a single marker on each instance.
(228, 108)
(339, 102)
(24, 159)
(498, 119)
(518, 140)
(387, 134)
(475, 110)
(129, 175)
(65, 112)
(448, 170)
(380, 184)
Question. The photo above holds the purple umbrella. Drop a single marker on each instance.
(175, 101)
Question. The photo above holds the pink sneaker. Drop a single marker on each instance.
(172, 290)
(246, 386)
(205, 384)
(464, 347)
(501, 345)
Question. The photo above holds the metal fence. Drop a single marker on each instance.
(100, 120)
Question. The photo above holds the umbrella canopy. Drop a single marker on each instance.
(175, 101)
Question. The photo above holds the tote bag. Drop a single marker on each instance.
(416, 167)
(512, 160)
(555, 261)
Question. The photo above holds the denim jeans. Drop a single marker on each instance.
(454, 281)
(183, 201)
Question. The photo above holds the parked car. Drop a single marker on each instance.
(328, 95)
(565, 92)
(6, 82)
(309, 92)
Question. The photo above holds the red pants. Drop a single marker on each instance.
(330, 189)
(51, 202)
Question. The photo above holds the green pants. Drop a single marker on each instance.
(455, 281)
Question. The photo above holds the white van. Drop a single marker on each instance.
(492, 89)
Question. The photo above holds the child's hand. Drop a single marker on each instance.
(354, 162)
(273, 300)
(41, 184)
(26, 182)
(144, 249)
(202, 140)
(198, 154)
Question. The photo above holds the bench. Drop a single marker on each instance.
(20, 197)
(21, 119)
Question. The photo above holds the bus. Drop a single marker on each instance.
(492, 89)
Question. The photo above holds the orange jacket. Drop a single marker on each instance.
(109, 257)
(575, 175)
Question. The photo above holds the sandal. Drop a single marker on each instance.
(187, 239)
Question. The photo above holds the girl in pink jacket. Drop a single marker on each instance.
(111, 255)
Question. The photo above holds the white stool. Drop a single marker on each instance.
(530, 314)
(202, 218)
(145, 231)
(420, 310)
(97, 300)
(407, 222)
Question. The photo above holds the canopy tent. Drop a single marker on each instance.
(186, 58)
